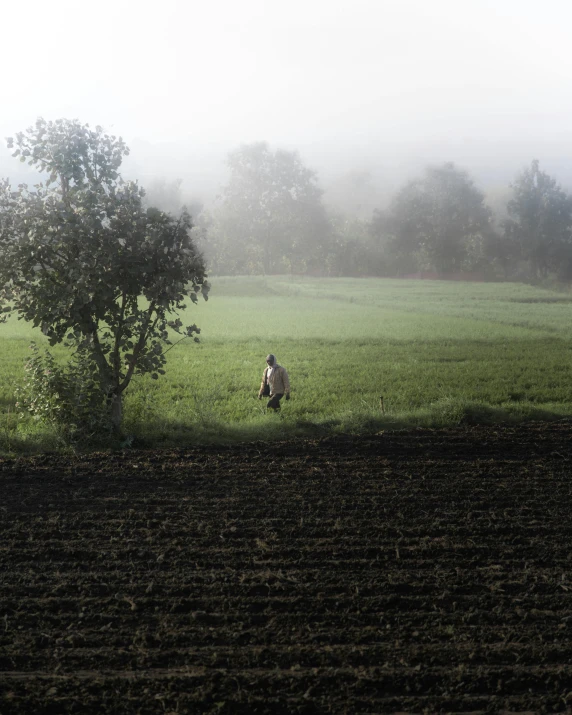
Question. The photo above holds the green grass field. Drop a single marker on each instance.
(439, 352)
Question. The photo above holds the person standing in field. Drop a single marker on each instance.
(275, 383)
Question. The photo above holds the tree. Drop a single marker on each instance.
(83, 259)
(272, 218)
(438, 221)
(538, 230)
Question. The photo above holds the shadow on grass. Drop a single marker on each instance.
(457, 411)
(157, 433)
(268, 428)
(271, 427)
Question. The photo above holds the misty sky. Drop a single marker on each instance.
(354, 84)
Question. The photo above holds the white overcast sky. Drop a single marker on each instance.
(352, 83)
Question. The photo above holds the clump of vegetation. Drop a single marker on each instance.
(66, 397)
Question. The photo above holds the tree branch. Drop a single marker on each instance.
(137, 350)
(116, 359)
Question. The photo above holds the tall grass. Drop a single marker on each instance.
(439, 353)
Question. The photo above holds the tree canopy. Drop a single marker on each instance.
(83, 259)
(439, 220)
(539, 228)
(271, 218)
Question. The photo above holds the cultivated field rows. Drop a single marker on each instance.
(404, 572)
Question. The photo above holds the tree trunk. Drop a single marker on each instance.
(116, 412)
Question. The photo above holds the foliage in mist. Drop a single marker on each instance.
(438, 222)
(272, 218)
(537, 234)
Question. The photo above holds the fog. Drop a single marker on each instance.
(368, 86)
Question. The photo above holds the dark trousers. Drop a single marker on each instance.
(274, 401)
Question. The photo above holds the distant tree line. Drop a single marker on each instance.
(271, 219)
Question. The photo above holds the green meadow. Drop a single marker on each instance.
(440, 353)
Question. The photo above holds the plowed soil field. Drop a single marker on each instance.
(427, 571)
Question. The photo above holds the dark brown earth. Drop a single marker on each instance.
(427, 571)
